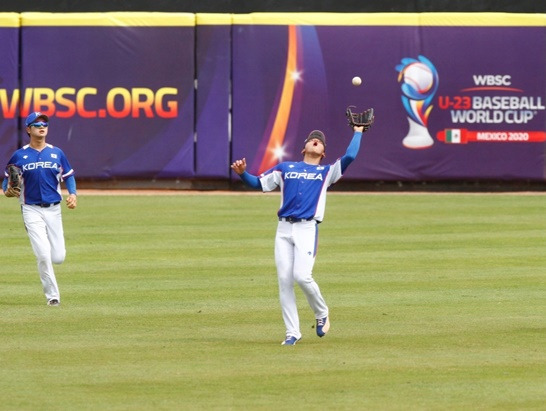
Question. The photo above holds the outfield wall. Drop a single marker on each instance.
(458, 96)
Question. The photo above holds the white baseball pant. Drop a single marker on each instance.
(45, 231)
(295, 250)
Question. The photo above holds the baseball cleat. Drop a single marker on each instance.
(323, 325)
(290, 340)
(53, 302)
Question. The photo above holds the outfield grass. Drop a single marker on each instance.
(437, 303)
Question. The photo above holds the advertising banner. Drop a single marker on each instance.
(9, 81)
(456, 95)
(118, 87)
(213, 56)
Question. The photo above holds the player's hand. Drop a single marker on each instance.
(239, 166)
(72, 201)
(12, 192)
(359, 128)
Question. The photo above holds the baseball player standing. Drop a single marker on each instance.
(43, 167)
(303, 188)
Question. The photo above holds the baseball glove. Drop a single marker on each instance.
(364, 119)
(14, 178)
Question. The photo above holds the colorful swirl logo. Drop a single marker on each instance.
(419, 83)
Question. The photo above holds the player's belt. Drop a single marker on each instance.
(46, 205)
(294, 220)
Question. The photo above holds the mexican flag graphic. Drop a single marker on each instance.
(453, 136)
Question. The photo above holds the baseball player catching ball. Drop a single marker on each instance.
(34, 174)
(303, 188)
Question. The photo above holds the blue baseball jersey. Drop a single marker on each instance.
(303, 187)
(43, 172)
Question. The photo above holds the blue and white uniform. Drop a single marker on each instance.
(42, 172)
(303, 199)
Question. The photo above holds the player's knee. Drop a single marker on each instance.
(303, 278)
(43, 258)
(57, 257)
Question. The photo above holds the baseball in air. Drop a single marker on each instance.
(357, 81)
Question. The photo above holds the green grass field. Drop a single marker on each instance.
(437, 302)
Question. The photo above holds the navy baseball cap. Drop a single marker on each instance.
(319, 135)
(32, 117)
